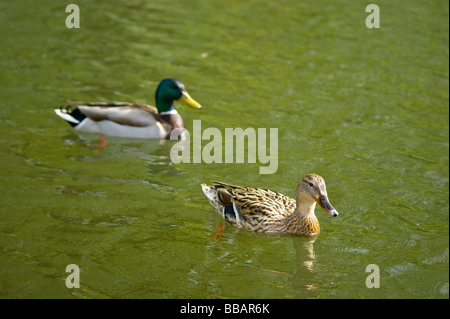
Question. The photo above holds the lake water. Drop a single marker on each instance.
(367, 109)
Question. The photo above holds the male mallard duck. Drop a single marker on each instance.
(126, 119)
(263, 210)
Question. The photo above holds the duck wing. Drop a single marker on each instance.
(124, 113)
(254, 208)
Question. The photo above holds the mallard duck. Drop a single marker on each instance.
(265, 211)
(124, 119)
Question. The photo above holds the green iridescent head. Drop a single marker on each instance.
(170, 90)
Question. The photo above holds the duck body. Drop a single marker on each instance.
(116, 119)
(266, 211)
(125, 119)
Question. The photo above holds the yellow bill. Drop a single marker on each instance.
(186, 98)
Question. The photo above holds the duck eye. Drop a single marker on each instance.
(310, 184)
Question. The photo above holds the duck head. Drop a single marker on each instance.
(170, 90)
(311, 189)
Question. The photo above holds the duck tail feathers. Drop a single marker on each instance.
(71, 115)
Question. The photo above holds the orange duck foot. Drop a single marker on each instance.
(103, 143)
(219, 232)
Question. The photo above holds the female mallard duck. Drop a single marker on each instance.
(263, 210)
(126, 119)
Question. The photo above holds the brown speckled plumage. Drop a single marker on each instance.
(266, 211)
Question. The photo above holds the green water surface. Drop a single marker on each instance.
(367, 109)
